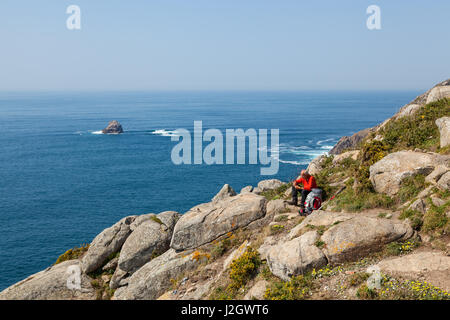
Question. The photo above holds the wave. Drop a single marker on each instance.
(165, 133)
(97, 132)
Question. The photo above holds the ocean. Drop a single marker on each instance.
(61, 182)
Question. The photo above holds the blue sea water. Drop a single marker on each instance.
(61, 182)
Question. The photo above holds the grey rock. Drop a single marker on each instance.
(226, 192)
(109, 241)
(444, 130)
(51, 284)
(296, 256)
(419, 205)
(270, 184)
(246, 189)
(349, 154)
(206, 222)
(351, 142)
(114, 127)
(436, 174)
(387, 174)
(357, 237)
(444, 181)
(149, 239)
(153, 279)
(315, 166)
(320, 218)
(257, 291)
(111, 265)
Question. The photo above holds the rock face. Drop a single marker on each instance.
(444, 130)
(441, 90)
(315, 165)
(153, 279)
(50, 284)
(296, 256)
(206, 222)
(152, 237)
(114, 127)
(354, 238)
(351, 142)
(225, 192)
(349, 154)
(387, 174)
(106, 243)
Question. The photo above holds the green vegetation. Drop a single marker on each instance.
(281, 218)
(418, 130)
(436, 219)
(357, 278)
(277, 193)
(415, 217)
(410, 187)
(156, 219)
(220, 247)
(276, 228)
(244, 268)
(73, 253)
(392, 289)
(365, 293)
(353, 201)
(397, 248)
(298, 288)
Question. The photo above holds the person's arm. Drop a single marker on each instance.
(296, 183)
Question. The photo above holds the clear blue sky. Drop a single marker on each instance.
(223, 45)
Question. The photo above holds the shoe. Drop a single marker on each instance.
(292, 203)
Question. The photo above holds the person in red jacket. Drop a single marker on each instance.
(308, 182)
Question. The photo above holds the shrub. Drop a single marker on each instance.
(418, 130)
(277, 193)
(73, 253)
(298, 288)
(244, 268)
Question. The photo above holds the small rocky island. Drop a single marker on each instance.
(114, 127)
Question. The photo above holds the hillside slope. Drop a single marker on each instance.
(390, 224)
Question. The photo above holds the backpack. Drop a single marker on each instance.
(313, 200)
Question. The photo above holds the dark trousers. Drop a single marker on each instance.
(304, 195)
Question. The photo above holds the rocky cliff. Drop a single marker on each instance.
(391, 222)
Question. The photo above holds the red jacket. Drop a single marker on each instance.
(308, 185)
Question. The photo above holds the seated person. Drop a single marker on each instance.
(308, 183)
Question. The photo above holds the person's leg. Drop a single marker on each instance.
(294, 196)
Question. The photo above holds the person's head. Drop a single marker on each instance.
(305, 174)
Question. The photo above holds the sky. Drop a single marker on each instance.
(223, 45)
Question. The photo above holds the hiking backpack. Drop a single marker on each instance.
(313, 200)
